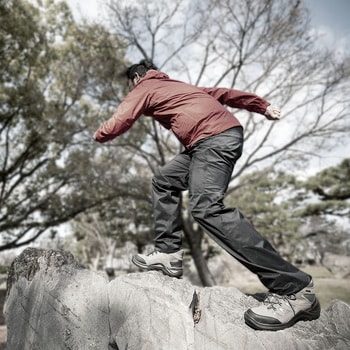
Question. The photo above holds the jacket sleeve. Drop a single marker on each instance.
(238, 99)
(129, 110)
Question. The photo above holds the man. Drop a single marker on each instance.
(213, 140)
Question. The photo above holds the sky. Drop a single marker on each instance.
(329, 17)
(331, 13)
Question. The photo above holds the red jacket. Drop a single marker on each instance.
(191, 112)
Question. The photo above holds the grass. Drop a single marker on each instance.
(327, 287)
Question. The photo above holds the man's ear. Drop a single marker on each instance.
(137, 78)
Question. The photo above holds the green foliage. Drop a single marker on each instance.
(266, 199)
(54, 77)
(297, 216)
(332, 187)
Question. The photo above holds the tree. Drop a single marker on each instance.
(100, 231)
(298, 216)
(263, 47)
(270, 200)
(53, 72)
(332, 188)
(326, 208)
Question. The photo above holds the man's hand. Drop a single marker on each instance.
(273, 113)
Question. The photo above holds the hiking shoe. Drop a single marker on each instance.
(283, 311)
(169, 264)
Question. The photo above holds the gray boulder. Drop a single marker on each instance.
(54, 303)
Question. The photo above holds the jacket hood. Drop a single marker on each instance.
(154, 74)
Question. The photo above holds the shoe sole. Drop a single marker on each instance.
(305, 315)
(158, 267)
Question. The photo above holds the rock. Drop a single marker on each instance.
(222, 326)
(54, 303)
(151, 311)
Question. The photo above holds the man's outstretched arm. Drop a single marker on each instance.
(130, 109)
(244, 100)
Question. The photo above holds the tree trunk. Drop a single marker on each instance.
(194, 238)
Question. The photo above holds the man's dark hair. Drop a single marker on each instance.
(140, 68)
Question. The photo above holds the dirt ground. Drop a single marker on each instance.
(2, 320)
(2, 337)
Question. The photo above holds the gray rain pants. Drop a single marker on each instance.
(205, 171)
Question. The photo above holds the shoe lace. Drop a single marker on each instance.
(155, 252)
(272, 300)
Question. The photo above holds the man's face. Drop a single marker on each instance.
(131, 84)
